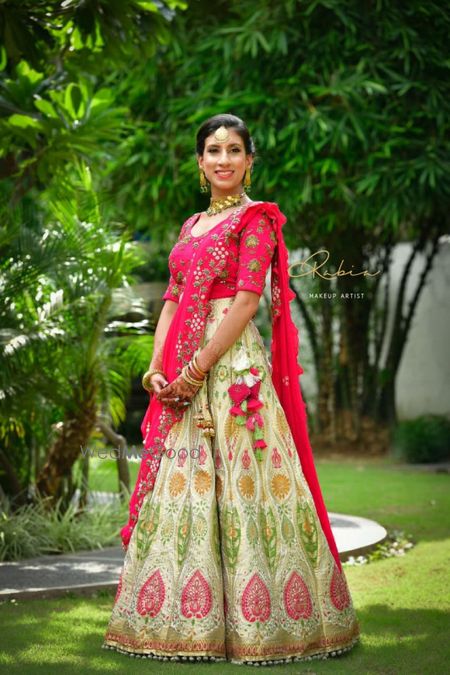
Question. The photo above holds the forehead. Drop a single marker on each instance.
(233, 139)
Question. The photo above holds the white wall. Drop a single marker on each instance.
(423, 381)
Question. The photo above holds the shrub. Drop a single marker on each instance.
(424, 439)
(34, 529)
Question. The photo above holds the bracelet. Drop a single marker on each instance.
(146, 379)
(195, 364)
(194, 373)
(190, 380)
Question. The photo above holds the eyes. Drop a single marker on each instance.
(215, 150)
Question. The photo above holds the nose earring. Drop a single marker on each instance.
(203, 182)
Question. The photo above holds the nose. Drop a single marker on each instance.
(223, 157)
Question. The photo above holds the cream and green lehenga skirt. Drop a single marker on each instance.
(228, 560)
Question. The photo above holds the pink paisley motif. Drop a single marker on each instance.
(182, 456)
(256, 600)
(151, 595)
(202, 456)
(196, 597)
(338, 590)
(119, 589)
(276, 458)
(297, 599)
(246, 459)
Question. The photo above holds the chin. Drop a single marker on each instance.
(230, 187)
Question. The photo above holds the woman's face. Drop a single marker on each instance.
(224, 163)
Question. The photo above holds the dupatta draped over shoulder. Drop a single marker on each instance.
(184, 337)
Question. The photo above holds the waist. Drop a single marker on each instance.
(217, 292)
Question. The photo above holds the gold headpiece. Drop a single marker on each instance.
(221, 134)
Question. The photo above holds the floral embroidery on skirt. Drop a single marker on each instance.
(228, 559)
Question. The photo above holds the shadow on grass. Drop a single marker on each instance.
(67, 636)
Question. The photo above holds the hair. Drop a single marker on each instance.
(226, 120)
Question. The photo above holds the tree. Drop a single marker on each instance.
(349, 109)
(64, 348)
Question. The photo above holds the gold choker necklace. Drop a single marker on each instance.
(219, 204)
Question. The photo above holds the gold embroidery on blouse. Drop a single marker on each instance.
(254, 265)
(252, 241)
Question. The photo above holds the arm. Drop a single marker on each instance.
(165, 319)
(241, 311)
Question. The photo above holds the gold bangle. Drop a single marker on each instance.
(187, 379)
(190, 380)
(194, 372)
(195, 364)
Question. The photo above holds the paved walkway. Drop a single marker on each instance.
(87, 571)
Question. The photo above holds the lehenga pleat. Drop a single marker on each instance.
(228, 559)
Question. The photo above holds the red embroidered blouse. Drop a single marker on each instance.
(250, 254)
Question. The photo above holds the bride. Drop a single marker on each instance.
(229, 549)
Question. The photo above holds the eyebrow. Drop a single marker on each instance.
(216, 145)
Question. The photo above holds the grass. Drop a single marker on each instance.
(103, 474)
(402, 603)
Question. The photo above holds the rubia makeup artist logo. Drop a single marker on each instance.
(316, 261)
(139, 453)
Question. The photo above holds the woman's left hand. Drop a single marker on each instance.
(178, 388)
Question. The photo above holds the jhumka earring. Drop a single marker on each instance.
(203, 182)
(247, 180)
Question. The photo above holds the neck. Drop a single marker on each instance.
(217, 193)
(219, 204)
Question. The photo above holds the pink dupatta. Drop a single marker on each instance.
(185, 336)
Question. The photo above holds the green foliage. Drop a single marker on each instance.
(56, 122)
(34, 529)
(347, 107)
(35, 30)
(423, 439)
(66, 297)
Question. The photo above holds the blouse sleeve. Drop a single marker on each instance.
(257, 244)
(173, 291)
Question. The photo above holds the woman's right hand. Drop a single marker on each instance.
(158, 382)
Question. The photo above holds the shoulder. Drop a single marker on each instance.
(265, 214)
(269, 209)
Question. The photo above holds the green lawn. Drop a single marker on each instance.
(402, 603)
(103, 474)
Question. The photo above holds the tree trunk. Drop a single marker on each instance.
(84, 485)
(75, 433)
